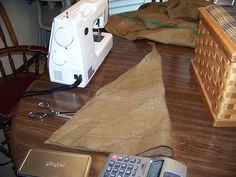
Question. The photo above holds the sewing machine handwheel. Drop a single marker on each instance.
(63, 37)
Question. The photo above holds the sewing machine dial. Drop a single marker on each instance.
(63, 37)
(60, 57)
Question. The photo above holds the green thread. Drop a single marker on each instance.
(160, 23)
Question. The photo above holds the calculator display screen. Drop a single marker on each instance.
(170, 174)
(155, 168)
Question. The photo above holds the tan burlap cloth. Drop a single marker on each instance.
(174, 22)
(128, 115)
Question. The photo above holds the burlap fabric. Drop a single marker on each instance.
(129, 115)
(177, 22)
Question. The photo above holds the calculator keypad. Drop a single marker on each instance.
(123, 166)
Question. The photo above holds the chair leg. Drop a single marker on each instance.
(3, 149)
(4, 146)
(5, 152)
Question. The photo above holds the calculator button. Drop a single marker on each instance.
(138, 161)
(143, 165)
(128, 172)
(106, 174)
(114, 157)
(117, 165)
(113, 175)
(123, 165)
(133, 160)
(130, 167)
(119, 175)
(121, 171)
(109, 168)
(115, 170)
(120, 158)
(127, 159)
(111, 163)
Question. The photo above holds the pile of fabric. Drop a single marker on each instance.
(174, 22)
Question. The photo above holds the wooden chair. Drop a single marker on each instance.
(13, 85)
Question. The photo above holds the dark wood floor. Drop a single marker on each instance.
(206, 150)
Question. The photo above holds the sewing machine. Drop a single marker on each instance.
(77, 46)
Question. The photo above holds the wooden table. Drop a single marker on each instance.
(207, 151)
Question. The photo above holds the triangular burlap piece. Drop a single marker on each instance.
(127, 116)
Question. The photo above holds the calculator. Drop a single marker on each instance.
(122, 165)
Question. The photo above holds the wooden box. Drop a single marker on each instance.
(214, 65)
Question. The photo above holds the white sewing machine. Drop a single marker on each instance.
(77, 47)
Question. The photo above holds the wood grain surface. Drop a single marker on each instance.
(207, 151)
